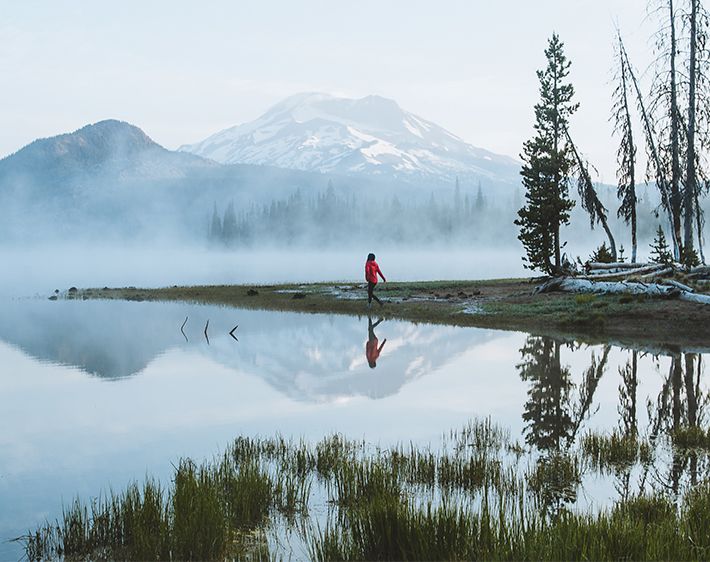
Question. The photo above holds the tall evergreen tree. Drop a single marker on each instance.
(457, 211)
(215, 225)
(229, 224)
(547, 163)
(480, 200)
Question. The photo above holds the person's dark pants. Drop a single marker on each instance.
(370, 294)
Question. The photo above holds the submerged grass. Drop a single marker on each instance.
(614, 451)
(474, 497)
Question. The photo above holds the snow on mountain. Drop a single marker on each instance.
(372, 135)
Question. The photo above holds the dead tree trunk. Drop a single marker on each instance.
(654, 155)
(589, 197)
(675, 139)
(690, 178)
(626, 154)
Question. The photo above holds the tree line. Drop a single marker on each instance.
(333, 217)
(675, 132)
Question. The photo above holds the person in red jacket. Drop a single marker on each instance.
(372, 270)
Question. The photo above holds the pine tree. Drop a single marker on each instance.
(480, 201)
(229, 224)
(660, 252)
(602, 255)
(547, 164)
(456, 215)
(215, 225)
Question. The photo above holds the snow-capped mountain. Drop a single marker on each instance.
(372, 135)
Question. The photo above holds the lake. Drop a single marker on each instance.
(96, 394)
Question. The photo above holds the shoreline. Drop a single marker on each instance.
(651, 324)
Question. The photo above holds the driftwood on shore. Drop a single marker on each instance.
(626, 278)
(626, 272)
(575, 285)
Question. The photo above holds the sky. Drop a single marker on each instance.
(184, 70)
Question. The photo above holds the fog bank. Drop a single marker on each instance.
(34, 271)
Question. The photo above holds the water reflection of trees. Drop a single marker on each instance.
(557, 407)
(678, 413)
(549, 422)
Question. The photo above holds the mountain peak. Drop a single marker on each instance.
(108, 144)
(372, 135)
(110, 135)
(107, 139)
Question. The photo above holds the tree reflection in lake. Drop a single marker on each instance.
(552, 420)
(628, 421)
(547, 412)
(678, 414)
(558, 405)
(549, 426)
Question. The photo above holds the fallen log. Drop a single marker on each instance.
(678, 284)
(659, 273)
(694, 297)
(702, 269)
(597, 272)
(575, 285)
(628, 272)
(616, 265)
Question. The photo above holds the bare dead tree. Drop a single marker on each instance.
(690, 177)
(655, 166)
(696, 22)
(626, 154)
(664, 105)
(680, 96)
(588, 195)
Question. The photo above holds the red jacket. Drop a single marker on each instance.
(371, 271)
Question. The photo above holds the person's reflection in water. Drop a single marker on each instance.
(372, 351)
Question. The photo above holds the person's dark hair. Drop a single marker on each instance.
(370, 257)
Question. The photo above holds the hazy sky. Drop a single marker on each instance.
(184, 70)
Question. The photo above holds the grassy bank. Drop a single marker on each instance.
(507, 304)
(476, 495)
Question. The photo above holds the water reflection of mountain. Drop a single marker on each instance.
(98, 337)
(306, 357)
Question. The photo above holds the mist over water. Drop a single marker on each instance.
(39, 271)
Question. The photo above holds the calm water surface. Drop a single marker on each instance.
(95, 394)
